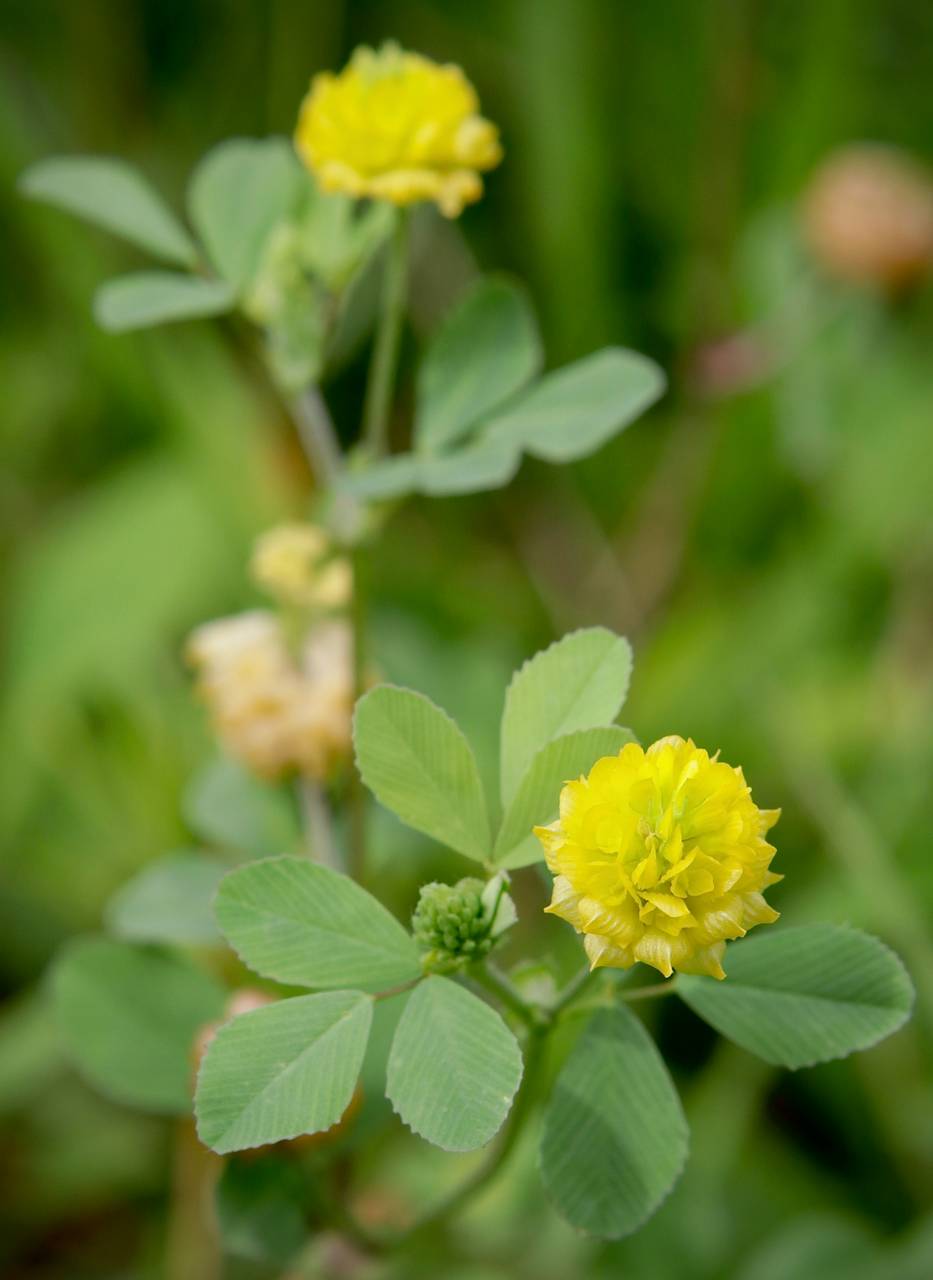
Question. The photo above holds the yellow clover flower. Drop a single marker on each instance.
(396, 126)
(660, 856)
(295, 563)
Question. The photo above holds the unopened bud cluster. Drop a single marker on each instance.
(454, 924)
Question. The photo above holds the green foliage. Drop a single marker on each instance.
(800, 996)
(239, 193)
(614, 1138)
(417, 763)
(169, 901)
(129, 1018)
(578, 683)
(536, 801)
(298, 922)
(282, 1070)
(261, 1209)
(111, 194)
(453, 1068)
(573, 412)
(155, 297)
(230, 808)
(487, 349)
(474, 395)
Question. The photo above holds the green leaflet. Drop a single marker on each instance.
(417, 763)
(298, 922)
(282, 1070)
(453, 1068)
(800, 996)
(614, 1138)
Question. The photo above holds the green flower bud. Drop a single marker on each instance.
(456, 925)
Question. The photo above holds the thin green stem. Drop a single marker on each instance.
(357, 799)
(575, 987)
(320, 844)
(388, 340)
(488, 976)
(318, 437)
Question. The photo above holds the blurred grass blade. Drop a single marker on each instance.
(572, 412)
(486, 349)
(239, 193)
(298, 922)
(536, 800)
(283, 1070)
(800, 996)
(158, 297)
(113, 195)
(580, 682)
(130, 1017)
(417, 763)
(614, 1139)
(453, 1068)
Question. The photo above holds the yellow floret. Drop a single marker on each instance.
(396, 126)
(659, 856)
(295, 563)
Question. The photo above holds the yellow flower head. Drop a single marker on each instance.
(295, 564)
(396, 126)
(660, 856)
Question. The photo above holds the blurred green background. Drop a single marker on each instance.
(764, 537)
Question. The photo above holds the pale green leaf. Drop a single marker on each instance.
(476, 468)
(537, 798)
(111, 194)
(170, 901)
(800, 996)
(573, 411)
(453, 1068)
(227, 806)
(417, 763)
(286, 1069)
(614, 1138)
(380, 481)
(130, 1016)
(158, 297)
(239, 193)
(580, 682)
(486, 349)
(299, 922)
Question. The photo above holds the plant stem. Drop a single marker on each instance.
(574, 988)
(320, 844)
(317, 434)
(193, 1244)
(356, 797)
(488, 976)
(388, 338)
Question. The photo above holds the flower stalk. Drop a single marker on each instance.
(388, 341)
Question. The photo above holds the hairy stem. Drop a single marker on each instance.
(388, 340)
